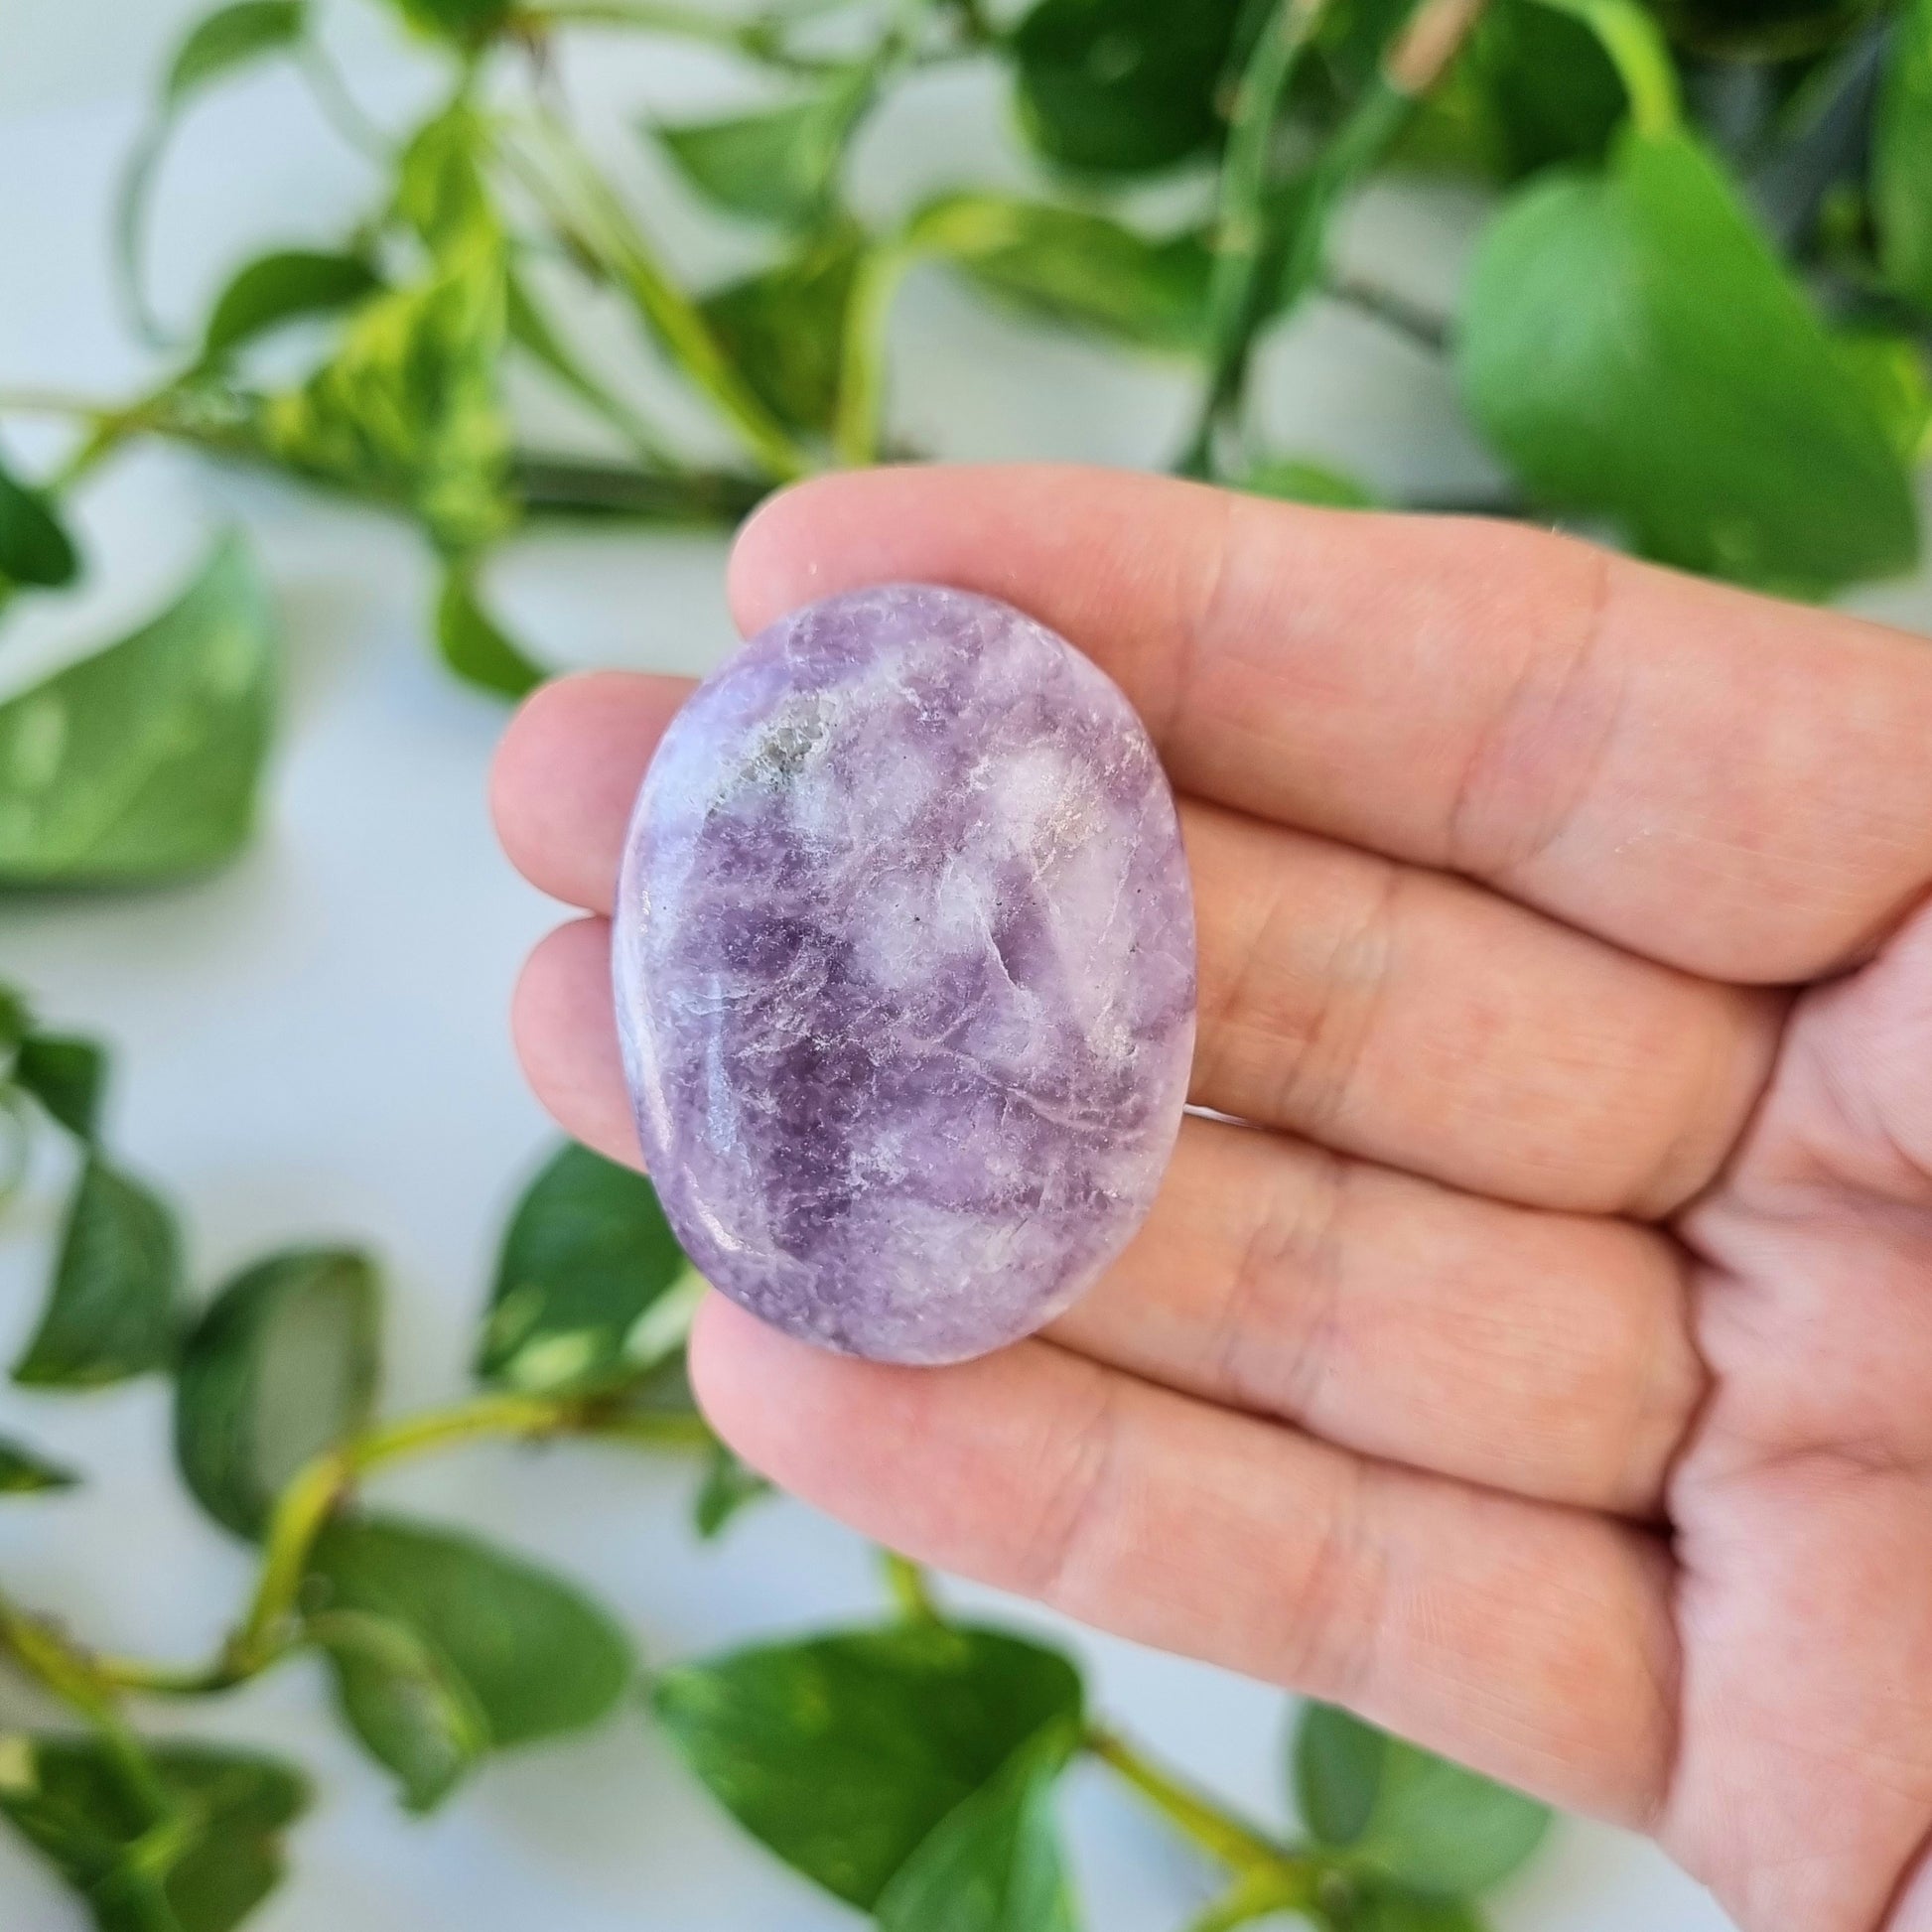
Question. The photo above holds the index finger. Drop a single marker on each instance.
(1732, 784)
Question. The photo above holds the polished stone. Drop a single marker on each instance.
(904, 970)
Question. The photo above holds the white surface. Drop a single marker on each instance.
(312, 1045)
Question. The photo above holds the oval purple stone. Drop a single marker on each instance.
(905, 963)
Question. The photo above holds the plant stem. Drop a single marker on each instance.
(1256, 1895)
(546, 485)
(76, 1679)
(1637, 49)
(1241, 230)
(1410, 320)
(272, 1622)
(911, 1593)
(604, 239)
(862, 355)
(1239, 1845)
(338, 107)
(1268, 274)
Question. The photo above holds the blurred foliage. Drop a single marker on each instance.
(1697, 321)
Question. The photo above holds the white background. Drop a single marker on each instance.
(313, 1045)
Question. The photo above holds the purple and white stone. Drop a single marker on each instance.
(905, 964)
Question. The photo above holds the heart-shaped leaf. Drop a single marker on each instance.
(279, 288)
(1405, 1815)
(140, 763)
(231, 38)
(35, 547)
(409, 1706)
(1632, 346)
(71, 1799)
(780, 165)
(26, 1471)
(784, 328)
(1122, 86)
(993, 1864)
(1078, 269)
(282, 1366)
(535, 1656)
(473, 645)
(115, 1308)
(587, 1258)
(844, 1754)
(67, 1075)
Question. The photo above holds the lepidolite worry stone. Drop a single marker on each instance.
(905, 962)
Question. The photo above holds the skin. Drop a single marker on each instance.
(1545, 1369)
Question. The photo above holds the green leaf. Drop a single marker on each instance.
(468, 20)
(139, 763)
(1901, 160)
(729, 1485)
(230, 37)
(1387, 1908)
(536, 1657)
(33, 546)
(1532, 88)
(1630, 345)
(283, 287)
(409, 1706)
(844, 1754)
(1122, 86)
(1293, 480)
(25, 1471)
(472, 644)
(1892, 371)
(587, 1257)
(1074, 268)
(409, 408)
(778, 166)
(67, 1075)
(1403, 1813)
(993, 1863)
(16, 1020)
(117, 1302)
(784, 329)
(70, 1799)
(281, 1366)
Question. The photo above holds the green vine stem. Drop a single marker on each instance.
(911, 1593)
(61, 1667)
(1271, 272)
(606, 242)
(862, 365)
(1636, 48)
(1241, 1847)
(272, 1623)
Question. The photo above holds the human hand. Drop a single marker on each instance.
(1547, 1371)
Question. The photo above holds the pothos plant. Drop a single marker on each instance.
(907, 1765)
(1697, 319)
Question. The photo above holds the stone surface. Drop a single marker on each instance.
(905, 964)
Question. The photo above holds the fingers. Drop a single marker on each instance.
(1731, 785)
(566, 772)
(1545, 1354)
(1529, 1641)
(1542, 1353)
(567, 1038)
(1416, 1020)
(1397, 1014)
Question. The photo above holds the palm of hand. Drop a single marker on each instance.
(1544, 1369)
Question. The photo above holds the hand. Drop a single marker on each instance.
(1547, 1371)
